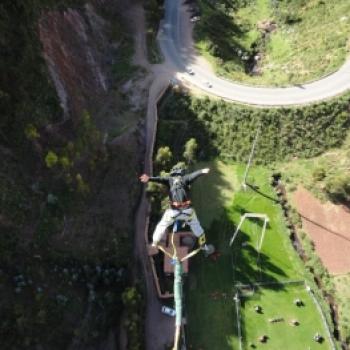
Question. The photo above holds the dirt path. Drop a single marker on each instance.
(328, 226)
(159, 329)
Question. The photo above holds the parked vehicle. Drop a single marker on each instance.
(190, 71)
(168, 311)
(195, 18)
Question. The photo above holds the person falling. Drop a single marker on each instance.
(178, 184)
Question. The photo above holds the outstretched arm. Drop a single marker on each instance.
(145, 178)
(193, 176)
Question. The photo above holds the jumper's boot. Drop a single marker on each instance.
(208, 249)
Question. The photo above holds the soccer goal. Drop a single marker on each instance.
(252, 216)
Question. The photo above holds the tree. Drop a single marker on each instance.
(51, 159)
(191, 148)
(164, 156)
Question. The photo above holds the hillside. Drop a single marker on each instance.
(70, 145)
(276, 43)
(93, 93)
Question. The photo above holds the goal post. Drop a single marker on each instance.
(252, 216)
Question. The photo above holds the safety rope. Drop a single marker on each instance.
(178, 293)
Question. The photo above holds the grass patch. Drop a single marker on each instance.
(342, 287)
(210, 286)
(221, 181)
(315, 173)
(311, 39)
(280, 304)
(123, 68)
(154, 11)
(278, 260)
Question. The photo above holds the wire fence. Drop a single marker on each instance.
(238, 318)
(324, 319)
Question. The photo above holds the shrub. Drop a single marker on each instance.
(191, 148)
(51, 159)
(338, 187)
(228, 129)
(319, 173)
(31, 132)
(164, 156)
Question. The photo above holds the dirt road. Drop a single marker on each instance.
(328, 226)
(159, 328)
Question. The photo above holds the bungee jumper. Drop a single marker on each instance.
(178, 183)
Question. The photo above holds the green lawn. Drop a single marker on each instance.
(311, 39)
(211, 284)
(282, 335)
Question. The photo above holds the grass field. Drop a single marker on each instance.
(311, 39)
(282, 335)
(210, 288)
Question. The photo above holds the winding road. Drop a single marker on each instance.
(175, 40)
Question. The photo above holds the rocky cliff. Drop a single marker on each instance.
(77, 51)
(68, 175)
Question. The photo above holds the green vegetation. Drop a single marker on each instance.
(294, 41)
(288, 136)
(342, 286)
(191, 148)
(210, 287)
(133, 303)
(154, 14)
(279, 304)
(64, 253)
(123, 68)
(227, 130)
(164, 156)
(326, 176)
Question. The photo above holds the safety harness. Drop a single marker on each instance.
(180, 205)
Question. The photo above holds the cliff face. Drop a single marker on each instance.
(68, 177)
(81, 54)
(76, 49)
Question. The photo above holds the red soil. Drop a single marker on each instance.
(328, 226)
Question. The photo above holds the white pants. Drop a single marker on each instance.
(170, 215)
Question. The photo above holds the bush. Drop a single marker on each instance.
(164, 156)
(51, 159)
(228, 130)
(191, 148)
(319, 173)
(338, 187)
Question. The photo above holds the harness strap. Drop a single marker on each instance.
(179, 205)
(180, 212)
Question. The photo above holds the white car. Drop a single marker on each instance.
(195, 18)
(208, 84)
(190, 71)
(168, 311)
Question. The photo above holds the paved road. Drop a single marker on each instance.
(177, 47)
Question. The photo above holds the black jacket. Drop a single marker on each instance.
(178, 186)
